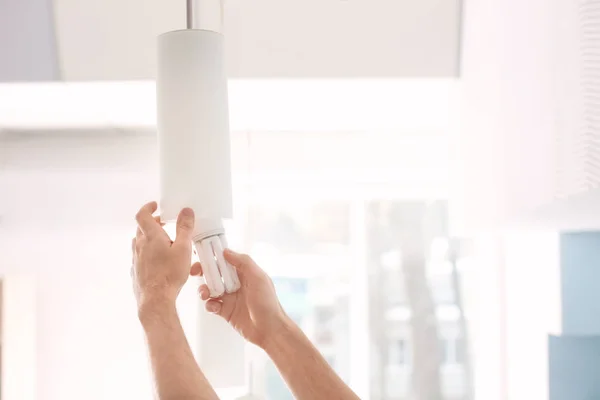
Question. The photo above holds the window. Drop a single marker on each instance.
(407, 256)
(452, 349)
(399, 353)
(301, 228)
(447, 351)
(351, 244)
(305, 249)
(460, 351)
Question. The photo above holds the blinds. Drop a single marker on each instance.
(589, 86)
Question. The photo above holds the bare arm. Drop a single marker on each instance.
(254, 311)
(176, 373)
(160, 269)
(304, 369)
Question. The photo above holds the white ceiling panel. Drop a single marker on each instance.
(112, 39)
(342, 38)
(115, 39)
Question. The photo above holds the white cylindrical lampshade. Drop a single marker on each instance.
(193, 125)
(195, 171)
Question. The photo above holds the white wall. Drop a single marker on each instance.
(533, 310)
(19, 337)
(509, 154)
(527, 150)
(30, 55)
(487, 312)
(516, 306)
(505, 147)
(67, 221)
(88, 338)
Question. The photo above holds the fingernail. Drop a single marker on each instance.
(204, 292)
(187, 212)
(213, 307)
(229, 251)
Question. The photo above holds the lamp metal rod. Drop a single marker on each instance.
(189, 14)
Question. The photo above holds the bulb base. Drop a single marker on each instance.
(205, 228)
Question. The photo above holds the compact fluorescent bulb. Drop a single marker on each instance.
(194, 144)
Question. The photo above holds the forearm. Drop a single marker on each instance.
(177, 376)
(304, 369)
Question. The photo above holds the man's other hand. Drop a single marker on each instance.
(160, 266)
(254, 310)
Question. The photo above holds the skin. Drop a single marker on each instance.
(161, 268)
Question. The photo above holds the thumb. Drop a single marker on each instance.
(185, 226)
(243, 263)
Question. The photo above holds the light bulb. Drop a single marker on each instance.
(194, 144)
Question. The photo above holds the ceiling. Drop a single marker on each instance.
(115, 39)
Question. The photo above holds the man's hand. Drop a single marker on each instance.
(254, 310)
(160, 266)
(256, 314)
(160, 269)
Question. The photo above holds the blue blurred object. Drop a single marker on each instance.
(574, 367)
(580, 283)
(574, 357)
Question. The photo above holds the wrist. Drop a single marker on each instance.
(155, 308)
(284, 333)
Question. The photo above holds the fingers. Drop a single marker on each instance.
(146, 221)
(196, 269)
(242, 262)
(138, 234)
(157, 219)
(214, 306)
(133, 257)
(204, 292)
(185, 226)
(133, 243)
(223, 307)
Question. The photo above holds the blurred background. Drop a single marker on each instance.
(418, 177)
